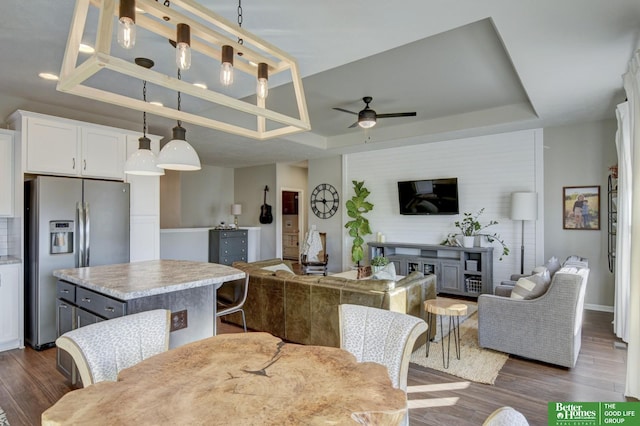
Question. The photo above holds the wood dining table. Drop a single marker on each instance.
(239, 379)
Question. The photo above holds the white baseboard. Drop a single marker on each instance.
(602, 308)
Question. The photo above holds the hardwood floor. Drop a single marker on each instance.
(29, 383)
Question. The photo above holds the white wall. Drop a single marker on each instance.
(200, 198)
(249, 183)
(207, 196)
(580, 155)
(328, 170)
(488, 168)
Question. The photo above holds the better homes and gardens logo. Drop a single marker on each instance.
(593, 413)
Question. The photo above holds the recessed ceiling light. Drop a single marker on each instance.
(156, 103)
(48, 76)
(200, 85)
(85, 48)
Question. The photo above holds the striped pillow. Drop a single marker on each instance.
(528, 288)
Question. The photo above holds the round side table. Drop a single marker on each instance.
(454, 310)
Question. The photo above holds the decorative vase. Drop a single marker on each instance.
(468, 242)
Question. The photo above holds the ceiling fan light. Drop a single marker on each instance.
(178, 154)
(367, 118)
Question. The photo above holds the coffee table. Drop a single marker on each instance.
(454, 310)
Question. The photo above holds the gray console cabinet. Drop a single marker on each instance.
(459, 270)
(227, 246)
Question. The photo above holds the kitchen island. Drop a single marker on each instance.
(95, 293)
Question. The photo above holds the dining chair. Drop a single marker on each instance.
(235, 303)
(103, 349)
(381, 336)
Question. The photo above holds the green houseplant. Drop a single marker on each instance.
(470, 226)
(358, 226)
(378, 263)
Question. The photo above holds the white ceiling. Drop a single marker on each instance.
(467, 67)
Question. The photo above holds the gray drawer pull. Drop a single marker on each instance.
(64, 306)
(110, 309)
(86, 299)
(64, 290)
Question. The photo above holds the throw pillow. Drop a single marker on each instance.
(386, 273)
(278, 267)
(543, 272)
(553, 264)
(528, 288)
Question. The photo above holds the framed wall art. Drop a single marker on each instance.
(581, 207)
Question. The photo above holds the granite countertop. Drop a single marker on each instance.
(7, 260)
(128, 281)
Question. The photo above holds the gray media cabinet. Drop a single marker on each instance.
(459, 270)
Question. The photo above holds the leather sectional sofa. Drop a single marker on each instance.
(304, 308)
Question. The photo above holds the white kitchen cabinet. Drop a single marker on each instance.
(51, 146)
(6, 175)
(103, 153)
(10, 306)
(58, 146)
(144, 208)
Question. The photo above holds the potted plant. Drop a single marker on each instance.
(358, 226)
(470, 227)
(378, 263)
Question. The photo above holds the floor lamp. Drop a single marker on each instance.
(524, 206)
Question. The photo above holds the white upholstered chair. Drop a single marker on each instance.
(506, 416)
(103, 349)
(381, 336)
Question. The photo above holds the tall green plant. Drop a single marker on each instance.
(358, 226)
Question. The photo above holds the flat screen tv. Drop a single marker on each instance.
(428, 197)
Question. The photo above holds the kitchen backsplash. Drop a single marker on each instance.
(9, 241)
(4, 237)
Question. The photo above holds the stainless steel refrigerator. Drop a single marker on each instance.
(69, 223)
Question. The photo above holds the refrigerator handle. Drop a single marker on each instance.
(87, 224)
(80, 210)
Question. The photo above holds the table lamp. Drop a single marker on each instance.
(236, 210)
(524, 206)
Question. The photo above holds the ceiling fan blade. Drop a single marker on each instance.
(397, 114)
(345, 110)
(353, 125)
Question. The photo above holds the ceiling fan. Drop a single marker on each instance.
(367, 118)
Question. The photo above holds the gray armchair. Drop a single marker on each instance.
(548, 328)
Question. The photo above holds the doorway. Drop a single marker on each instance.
(291, 225)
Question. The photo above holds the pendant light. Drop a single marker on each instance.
(262, 88)
(226, 65)
(183, 46)
(178, 154)
(143, 161)
(127, 24)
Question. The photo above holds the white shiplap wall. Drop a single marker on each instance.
(488, 168)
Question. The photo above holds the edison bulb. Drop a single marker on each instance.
(183, 56)
(226, 73)
(262, 89)
(126, 32)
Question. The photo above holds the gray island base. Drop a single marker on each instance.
(95, 293)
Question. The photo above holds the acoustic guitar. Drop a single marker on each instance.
(265, 211)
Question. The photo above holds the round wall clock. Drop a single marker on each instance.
(324, 201)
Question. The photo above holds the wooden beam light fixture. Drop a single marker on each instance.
(196, 28)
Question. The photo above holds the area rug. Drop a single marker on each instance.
(3, 418)
(476, 364)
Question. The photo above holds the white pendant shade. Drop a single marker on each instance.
(142, 162)
(178, 154)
